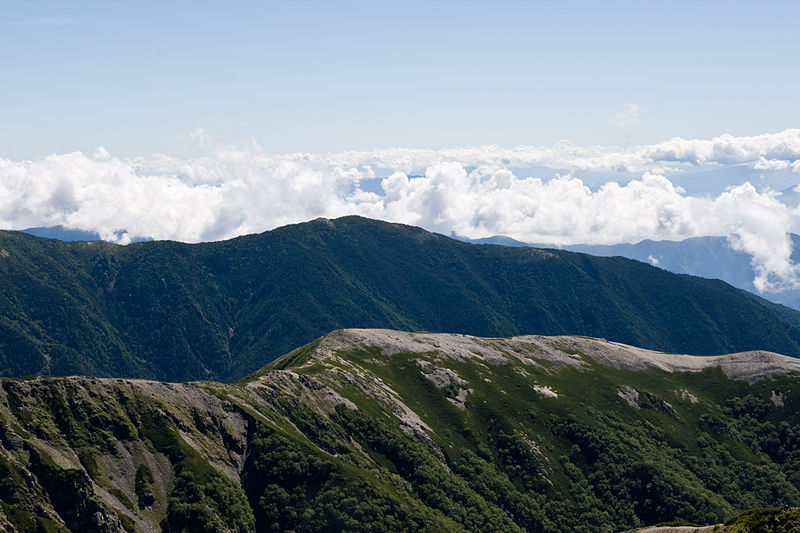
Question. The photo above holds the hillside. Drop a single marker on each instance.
(377, 430)
(707, 257)
(172, 311)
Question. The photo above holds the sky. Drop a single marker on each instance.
(550, 122)
(302, 76)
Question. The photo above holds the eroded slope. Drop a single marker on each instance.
(385, 430)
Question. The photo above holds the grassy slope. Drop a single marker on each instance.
(605, 463)
(322, 447)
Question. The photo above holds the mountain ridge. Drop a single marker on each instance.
(709, 257)
(221, 310)
(401, 431)
(558, 350)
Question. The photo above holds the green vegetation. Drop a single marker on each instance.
(201, 499)
(589, 458)
(358, 440)
(294, 488)
(172, 311)
(145, 494)
(771, 520)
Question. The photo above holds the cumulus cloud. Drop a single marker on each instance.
(101, 153)
(770, 164)
(474, 191)
(674, 155)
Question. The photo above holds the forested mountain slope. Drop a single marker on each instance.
(707, 257)
(173, 311)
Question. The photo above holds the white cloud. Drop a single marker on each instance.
(101, 153)
(770, 164)
(630, 117)
(669, 156)
(727, 149)
(471, 191)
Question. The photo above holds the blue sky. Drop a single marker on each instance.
(138, 77)
(200, 121)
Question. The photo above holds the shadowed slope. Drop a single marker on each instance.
(175, 311)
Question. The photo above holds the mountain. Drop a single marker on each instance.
(69, 235)
(63, 234)
(173, 311)
(378, 430)
(707, 257)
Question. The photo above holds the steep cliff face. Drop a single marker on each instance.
(384, 430)
(101, 455)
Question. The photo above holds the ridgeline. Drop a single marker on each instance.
(376, 430)
(172, 311)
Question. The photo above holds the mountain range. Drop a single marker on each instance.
(707, 257)
(574, 409)
(380, 430)
(173, 311)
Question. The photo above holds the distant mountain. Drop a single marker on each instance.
(173, 311)
(707, 257)
(63, 234)
(376, 430)
(70, 235)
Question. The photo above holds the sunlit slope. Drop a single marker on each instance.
(379, 430)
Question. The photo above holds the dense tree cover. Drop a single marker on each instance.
(618, 475)
(293, 489)
(174, 311)
(770, 520)
(201, 498)
(145, 495)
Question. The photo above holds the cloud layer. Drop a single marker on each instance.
(474, 191)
